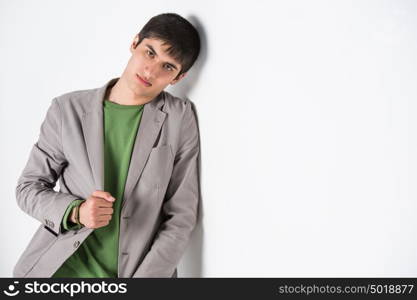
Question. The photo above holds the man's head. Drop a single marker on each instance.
(162, 53)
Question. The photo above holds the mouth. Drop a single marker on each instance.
(143, 81)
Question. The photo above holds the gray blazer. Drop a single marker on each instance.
(160, 202)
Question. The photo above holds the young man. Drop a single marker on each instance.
(126, 158)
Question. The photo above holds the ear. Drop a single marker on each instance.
(134, 43)
(178, 79)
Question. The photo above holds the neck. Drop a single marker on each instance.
(120, 93)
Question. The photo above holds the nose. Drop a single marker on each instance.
(149, 71)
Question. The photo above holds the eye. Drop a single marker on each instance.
(169, 68)
(149, 53)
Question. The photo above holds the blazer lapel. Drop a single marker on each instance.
(149, 127)
(92, 123)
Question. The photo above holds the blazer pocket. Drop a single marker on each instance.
(156, 170)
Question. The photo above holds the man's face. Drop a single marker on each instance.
(150, 69)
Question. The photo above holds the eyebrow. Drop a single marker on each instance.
(153, 50)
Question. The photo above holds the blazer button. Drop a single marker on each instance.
(76, 244)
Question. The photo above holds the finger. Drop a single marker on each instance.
(105, 195)
(106, 211)
(104, 218)
(102, 224)
(100, 202)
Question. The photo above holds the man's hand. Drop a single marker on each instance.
(97, 210)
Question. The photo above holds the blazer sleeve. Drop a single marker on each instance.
(180, 206)
(34, 191)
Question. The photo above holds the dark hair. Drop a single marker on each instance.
(181, 36)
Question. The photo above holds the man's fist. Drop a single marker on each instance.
(97, 210)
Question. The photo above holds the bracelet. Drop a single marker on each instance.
(77, 215)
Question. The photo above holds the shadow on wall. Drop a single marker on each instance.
(192, 262)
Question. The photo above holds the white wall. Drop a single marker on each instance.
(307, 114)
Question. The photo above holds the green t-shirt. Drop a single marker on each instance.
(97, 255)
